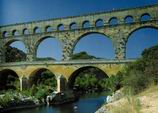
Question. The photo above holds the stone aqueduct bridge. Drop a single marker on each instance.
(32, 33)
(63, 69)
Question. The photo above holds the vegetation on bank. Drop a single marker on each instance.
(138, 75)
(12, 98)
(135, 79)
(89, 83)
(142, 73)
(144, 102)
(42, 85)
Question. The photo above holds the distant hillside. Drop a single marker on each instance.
(45, 59)
(82, 55)
(13, 54)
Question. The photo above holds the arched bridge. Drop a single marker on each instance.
(69, 31)
(25, 70)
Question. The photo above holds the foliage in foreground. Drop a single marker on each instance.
(13, 98)
(89, 82)
(43, 84)
(142, 73)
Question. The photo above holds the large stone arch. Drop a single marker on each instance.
(75, 73)
(36, 73)
(11, 70)
(5, 73)
(131, 31)
(134, 30)
(8, 42)
(19, 71)
(39, 40)
(79, 37)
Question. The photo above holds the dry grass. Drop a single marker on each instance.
(145, 102)
(128, 105)
(149, 100)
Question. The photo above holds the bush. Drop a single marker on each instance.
(113, 83)
(135, 81)
(140, 74)
(41, 93)
(82, 55)
(5, 100)
(86, 82)
(33, 90)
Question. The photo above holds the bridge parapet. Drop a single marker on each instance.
(71, 62)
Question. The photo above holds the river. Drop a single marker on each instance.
(87, 104)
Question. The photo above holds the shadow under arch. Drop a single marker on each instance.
(89, 34)
(41, 74)
(99, 73)
(144, 41)
(53, 39)
(9, 79)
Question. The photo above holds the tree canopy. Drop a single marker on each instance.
(82, 55)
(13, 54)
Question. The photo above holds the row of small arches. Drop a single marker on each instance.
(86, 24)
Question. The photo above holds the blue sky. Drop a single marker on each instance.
(17, 11)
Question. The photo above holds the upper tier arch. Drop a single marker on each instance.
(79, 20)
(118, 34)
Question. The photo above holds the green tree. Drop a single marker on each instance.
(140, 74)
(82, 55)
(13, 54)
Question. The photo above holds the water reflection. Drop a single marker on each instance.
(84, 105)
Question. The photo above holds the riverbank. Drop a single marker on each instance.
(13, 100)
(19, 108)
(58, 98)
(86, 104)
(145, 102)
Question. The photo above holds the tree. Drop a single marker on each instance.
(82, 55)
(140, 74)
(13, 54)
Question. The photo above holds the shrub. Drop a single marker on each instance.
(135, 81)
(5, 100)
(140, 74)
